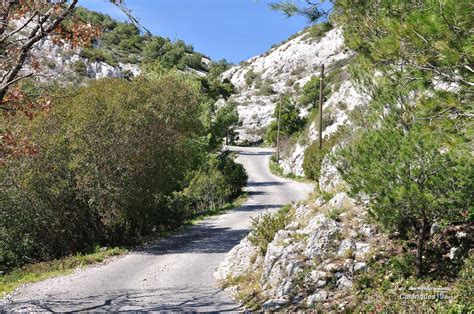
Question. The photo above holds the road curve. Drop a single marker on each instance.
(175, 273)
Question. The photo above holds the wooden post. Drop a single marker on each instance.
(321, 87)
(278, 132)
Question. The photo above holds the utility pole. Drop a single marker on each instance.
(278, 132)
(321, 87)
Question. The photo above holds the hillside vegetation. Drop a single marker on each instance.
(124, 42)
(393, 208)
(113, 160)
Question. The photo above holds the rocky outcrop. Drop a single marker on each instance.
(65, 62)
(60, 61)
(262, 80)
(313, 260)
(337, 109)
(238, 261)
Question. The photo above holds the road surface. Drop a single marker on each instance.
(175, 273)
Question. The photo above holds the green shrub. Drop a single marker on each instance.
(251, 77)
(315, 32)
(80, 68)
(99, 55)
(413, 180)
(225, 120)
(208, 191)
(219, 181)
(464, 287)
(313, 157)
(123, 42)
(290, 120)
(298, 71)
(335, 213)
(266, 89)
(265, 226)
(310, 92)
(108, 159)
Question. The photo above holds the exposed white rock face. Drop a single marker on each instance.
(100, 70)
(239, 260)
(317, 297)
(281, 69)
(280, 265)
(321, 231)
(360, 266)
(61, 62)
(294, 164)
(313, 249)
(330, 179)
(344, 283)
(346, 246)
(341, 201)
(339, 105)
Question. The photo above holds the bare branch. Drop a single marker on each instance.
(36, 35)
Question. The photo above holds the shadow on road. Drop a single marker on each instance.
(204, 238)
(252, 208)
(247, 153)
(201, 239)
(252, 193)
(144, 300)
(268, 183)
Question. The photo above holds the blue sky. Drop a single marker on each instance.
(232, 29)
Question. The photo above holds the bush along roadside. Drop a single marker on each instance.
(115, 161)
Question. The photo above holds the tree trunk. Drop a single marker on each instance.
(422, 236)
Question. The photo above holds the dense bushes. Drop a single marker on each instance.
(313, 158)
(226, 119)
(290, 120)
(316, 31)
(218, 181)
(416, 167)
(109, 161)
(123, 42)
(412, 179)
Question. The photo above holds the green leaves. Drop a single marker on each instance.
(290, 121)
(109, 156)
(410, 176)
(433, 36)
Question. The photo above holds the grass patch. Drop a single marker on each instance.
(278, 171)
(249, 292)
(335, 213)
(41, 271)
(391, 275)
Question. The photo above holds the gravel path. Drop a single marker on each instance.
(175, 273)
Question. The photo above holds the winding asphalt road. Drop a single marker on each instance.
(175, 273)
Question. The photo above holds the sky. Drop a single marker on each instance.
(234, 30)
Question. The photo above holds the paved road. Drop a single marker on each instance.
(174, 273)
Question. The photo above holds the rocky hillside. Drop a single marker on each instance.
(261, 81)
(120, 51)
(325, 252)
(68, 63)
(323, 242)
